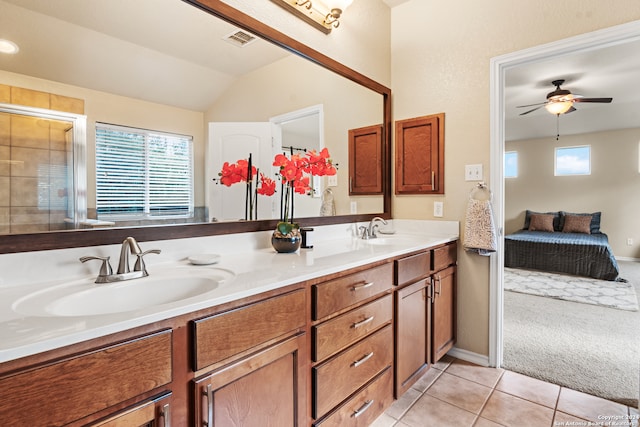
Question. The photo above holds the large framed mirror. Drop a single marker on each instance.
(190, 94)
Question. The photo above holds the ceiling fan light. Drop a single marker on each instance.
(558, 107)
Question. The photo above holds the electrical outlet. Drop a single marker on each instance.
(438, 209)
(473, 172)
(354, 207)
(629, 241)
(332, 180)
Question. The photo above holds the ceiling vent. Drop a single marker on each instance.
(240, 38)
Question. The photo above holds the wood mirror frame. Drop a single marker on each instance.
(12, 243)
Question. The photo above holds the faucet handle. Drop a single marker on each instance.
(364, 232)
(139, 265)
(105, 269)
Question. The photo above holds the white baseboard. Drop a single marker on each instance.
(469, 356)
(626, 258)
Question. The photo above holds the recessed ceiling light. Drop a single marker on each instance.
(7, 46)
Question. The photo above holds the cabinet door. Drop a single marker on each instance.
(412, 334)
(365, 160)
(444, 312)
(265, 389)
(420, 155)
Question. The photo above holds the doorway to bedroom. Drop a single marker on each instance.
(574, 331)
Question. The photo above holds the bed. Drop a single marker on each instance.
(556, 244)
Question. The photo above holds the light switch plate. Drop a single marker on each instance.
(354, 207)
(473, 172)
(332, 180)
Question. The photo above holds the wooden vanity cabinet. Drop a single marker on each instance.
(73, 390)
(352, 347)
(251, 364)
(412, 319)
(444, 301)
(425, 312)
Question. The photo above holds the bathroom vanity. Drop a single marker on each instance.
(325, 337)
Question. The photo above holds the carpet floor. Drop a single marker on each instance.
(589, 348)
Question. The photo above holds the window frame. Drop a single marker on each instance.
(555, 160)
(147, 212)
(505, 164)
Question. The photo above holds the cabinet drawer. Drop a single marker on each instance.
(342, 375)
(365, 406)
(334, 295)
(444, 256)
(412, 268)
(340, 332)
(224, 335)
(79, 386)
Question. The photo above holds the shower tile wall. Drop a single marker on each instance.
(34, 157)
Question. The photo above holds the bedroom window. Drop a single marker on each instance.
(573, 160)
(143, 174)
(511, 164)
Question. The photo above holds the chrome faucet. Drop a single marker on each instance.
(129, 246)
(373, 226)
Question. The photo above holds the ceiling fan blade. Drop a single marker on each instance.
(530, 111)
(602, 100)
(531, 105)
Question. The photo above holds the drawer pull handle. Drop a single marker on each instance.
(208, 392)
(361, 410)
(361, 361)
(166, 415)
(362, 286)
(362, 322)
(437, 289)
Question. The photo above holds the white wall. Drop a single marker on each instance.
(612, 187)
(440, 52)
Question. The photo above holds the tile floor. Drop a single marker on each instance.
(460, 394)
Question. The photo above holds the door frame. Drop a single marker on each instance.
(498, 67)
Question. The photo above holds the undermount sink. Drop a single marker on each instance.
(85, 298)
(389, 240)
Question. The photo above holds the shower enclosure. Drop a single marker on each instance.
(42, 169)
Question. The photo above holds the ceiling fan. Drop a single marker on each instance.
(561, 101)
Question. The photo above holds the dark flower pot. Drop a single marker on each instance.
(286, 244)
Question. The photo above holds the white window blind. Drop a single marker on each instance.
(142, 173)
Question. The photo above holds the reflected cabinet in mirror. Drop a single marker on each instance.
(168, 91)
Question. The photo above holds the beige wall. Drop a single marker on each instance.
(612, 187)
(440, 63)
(119, 110)
(362, 42)
(292, 84)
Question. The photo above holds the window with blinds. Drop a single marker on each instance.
(142, 173)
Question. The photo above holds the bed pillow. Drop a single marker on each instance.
(541, 222)
(556, 219)
(594, 227)
(577, 224)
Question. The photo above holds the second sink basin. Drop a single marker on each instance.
(85, 298)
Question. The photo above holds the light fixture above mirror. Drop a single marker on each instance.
(324, 17)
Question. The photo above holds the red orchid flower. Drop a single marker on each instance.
(267, 186)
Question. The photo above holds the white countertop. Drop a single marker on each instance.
(249, 266)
